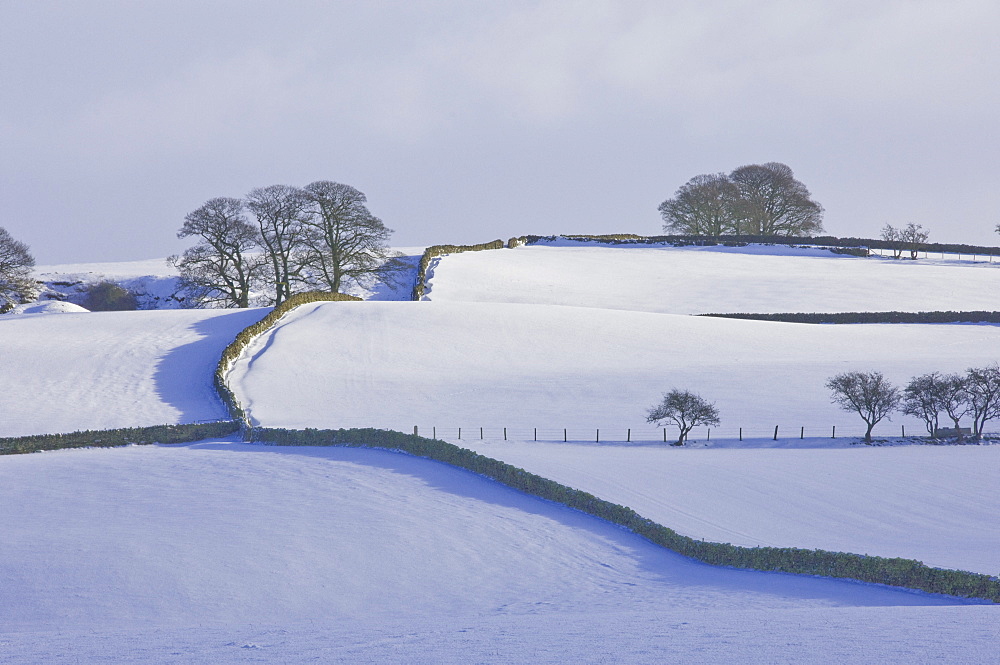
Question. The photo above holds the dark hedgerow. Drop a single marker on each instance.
(898, 572)
(869, 317)
(434, 251)
(118, 437)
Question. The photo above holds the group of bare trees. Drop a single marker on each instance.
(279, 240)
(757, 199)
(17, 284)
(975, 394)
(909, 238)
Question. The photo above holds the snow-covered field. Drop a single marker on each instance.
(63, 372)
(471, 365)
(224, 552)
(700, 280)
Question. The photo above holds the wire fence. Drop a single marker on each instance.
(646, 434)
(971, 257)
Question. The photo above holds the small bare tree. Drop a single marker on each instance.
(221, 269)
(955, 400)
(912, 237)
(685, 410)
(16, 264)
(894, 237)
(868, 394)
(924, 398)
(982, 387)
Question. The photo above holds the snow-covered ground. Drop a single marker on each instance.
(450, 365)
(699, 280)
(223, 552)
(63, 372)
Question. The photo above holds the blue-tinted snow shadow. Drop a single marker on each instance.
(401, 286)
(669, 568)
(184, 376)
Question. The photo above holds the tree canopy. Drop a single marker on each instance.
(16, 264)
(757, 199)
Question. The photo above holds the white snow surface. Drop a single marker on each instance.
(63, 372)
(700, 280)
(224, 552)
(228, 553)
(494, 365)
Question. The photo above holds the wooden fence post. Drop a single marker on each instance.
(741, 434)
(536, 434)
(775, 432)
(709, 434)
(434, 432)
(802, 432)
(598, 436)
(459, 433)
(834, 432)
(504, 433)
(480, 433)
(664, 435)
(628, 436)
(564, 435)
(415, 431)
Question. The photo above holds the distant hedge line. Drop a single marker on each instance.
(248, 334)
(869, 317)
(878, 570)
(117, 437)
(824, 241)
(439, 250)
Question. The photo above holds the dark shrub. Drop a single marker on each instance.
(109, 297)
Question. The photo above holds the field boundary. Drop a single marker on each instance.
(867, 317)
(111, 438)
(864, 244)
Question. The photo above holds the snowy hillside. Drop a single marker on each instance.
(63, 372)
(450, 365)
(226, 553)
(700, 280)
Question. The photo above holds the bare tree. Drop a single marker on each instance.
(924, 398)
(703, 206)
(344, 241)
(16, 264)
(281, 212)
(685, 410)
(982, 387)
(894, 237)
(222, 268)
(955, 400)
(771, 201)
(868, 394)
(913, 236)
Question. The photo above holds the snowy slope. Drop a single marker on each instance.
(698, 280)
(453, 365)
(63, 372)
(931, 503)
(184, 553)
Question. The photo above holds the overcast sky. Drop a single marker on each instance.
(468, 121)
